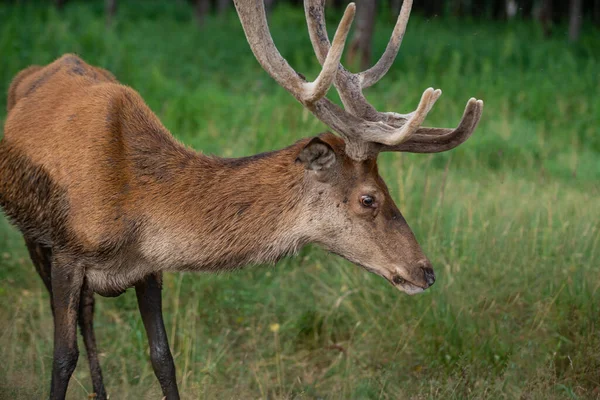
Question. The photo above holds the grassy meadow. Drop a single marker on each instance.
(511, 219)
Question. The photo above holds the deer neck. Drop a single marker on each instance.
(212, 213)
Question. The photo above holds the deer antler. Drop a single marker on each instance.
(413, 138)
(366, 130)
(254, 22)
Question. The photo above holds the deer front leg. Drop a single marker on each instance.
(67, 280)
(149, 299)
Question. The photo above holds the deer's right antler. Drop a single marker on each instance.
(410, 137)
(366, 130)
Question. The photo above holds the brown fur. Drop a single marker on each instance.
(93, 180)
(88, 167)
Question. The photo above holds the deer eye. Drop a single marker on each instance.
(367, 201)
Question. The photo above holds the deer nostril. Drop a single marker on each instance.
(429, 275)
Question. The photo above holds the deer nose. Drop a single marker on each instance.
(429, 274)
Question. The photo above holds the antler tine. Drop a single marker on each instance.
(332, 60)
(382, 66)
(317, 30)
(254, 21)
(347, 83)
(435, 140)
(404, 133)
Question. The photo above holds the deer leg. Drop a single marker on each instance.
(42, 261)
(148, 293)
(86, 324)
(67, 281)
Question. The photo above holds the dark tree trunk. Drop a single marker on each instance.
(110, 8)
(395, 6)
(202, 10)
(429, 8)
(543, 14)
(432, 8)
(222, 6)
(574, 20)
(361, 46)
(477, 9)
(269, 6)
(59, 4)
(498, 9)
(526, 7)
(457, 8)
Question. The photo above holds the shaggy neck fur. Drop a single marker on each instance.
(219, 214)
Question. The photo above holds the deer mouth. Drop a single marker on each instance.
(408, 287)
(398, 281)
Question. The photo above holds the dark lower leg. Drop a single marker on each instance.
(86, 324)
(67, 279)
(42, 261)
(149, 300)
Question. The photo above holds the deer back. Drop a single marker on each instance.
(68, 150)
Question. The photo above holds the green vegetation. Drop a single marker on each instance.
(511, 219)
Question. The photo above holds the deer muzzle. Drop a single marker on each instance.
(419, 278)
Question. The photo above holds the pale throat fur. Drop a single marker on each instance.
(217, 214)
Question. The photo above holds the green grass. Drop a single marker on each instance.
(511, 219)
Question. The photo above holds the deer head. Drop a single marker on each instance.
(352, 213)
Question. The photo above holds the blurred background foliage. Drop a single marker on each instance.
(511, 219)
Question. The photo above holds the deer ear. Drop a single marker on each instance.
(317, 155)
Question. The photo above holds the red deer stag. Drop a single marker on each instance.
(107, 199)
